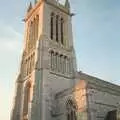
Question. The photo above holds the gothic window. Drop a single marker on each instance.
(56, 58)
(36, 27)
(27, 68)
(30, 31)
(51, 26)
(57, 25)
(62, 41)
(71, 66)
(26, 100)
(71, 110)
(33, 61)
(52, 60)
(57, 22)
(61, 65)
(67, 65)
(64, 70)
(33, 32)
(30, 64)
(30, 36)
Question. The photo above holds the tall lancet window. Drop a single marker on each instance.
(51, 26)
(36, 27)
(52, 60)
(57, 22)
(26, 101)
(33, 33)
(71, 110)
(62, 38)
(30, 36)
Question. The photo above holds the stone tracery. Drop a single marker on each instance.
(57, 28)
(60, 63)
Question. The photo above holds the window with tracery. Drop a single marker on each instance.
(57, 28)
(29, 64)
(32, 33)
(60, 63)
(71, 110)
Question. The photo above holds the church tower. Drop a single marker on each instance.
(48, 63)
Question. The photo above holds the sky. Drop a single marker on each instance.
(96, 32)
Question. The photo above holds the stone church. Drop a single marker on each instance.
(48, 86)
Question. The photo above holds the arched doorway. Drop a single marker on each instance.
(71, 110)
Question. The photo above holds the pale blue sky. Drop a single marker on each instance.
(96, 31)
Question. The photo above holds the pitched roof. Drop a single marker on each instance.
(98, 82)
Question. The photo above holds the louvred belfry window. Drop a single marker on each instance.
(51, 26)
(62, 41)
(57, 35)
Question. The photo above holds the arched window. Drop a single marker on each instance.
(30, 36)
(61, 63)
(30, 64)
(36, 27)
(51, 26)
(56, 58)
(62, 39)
(52, 60)
(71, 66)
(33, 61)
(65, 64)
(33, 33)
(71, 110)
(27, 68)
(57, 22)
(26, 101)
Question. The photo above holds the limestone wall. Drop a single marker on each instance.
(101, 100)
